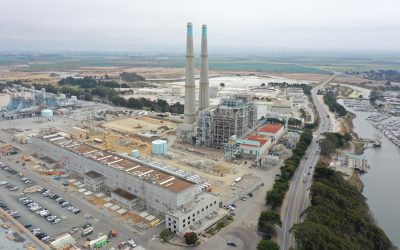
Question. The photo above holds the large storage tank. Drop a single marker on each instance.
(159, 147)
(135, 153)
(47, 113)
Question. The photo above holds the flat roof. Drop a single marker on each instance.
(93, 174)
(270, 128)
(261, 139)
(124, 194)
(155, 176)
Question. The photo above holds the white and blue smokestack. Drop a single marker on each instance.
(190, 87)
(204, 93)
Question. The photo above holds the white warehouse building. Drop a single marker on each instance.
(160, 192)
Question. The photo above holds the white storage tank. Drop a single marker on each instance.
(159, 147)
(47, 113)
(135, 153)
(74, 98)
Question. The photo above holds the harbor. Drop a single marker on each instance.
(385, 123)
(382, 176)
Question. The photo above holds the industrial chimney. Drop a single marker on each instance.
(190, 87)
(204, 94)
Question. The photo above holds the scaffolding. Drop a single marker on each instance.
(231, 149)
(233, 116)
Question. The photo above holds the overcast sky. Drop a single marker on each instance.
(234, 25)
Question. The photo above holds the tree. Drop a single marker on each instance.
(131, 77)
(267, 245)
(222, 84)
(190, 238)
(165, 234)
(267, 220)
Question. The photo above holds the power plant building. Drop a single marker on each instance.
(160, 191)
(236, 116)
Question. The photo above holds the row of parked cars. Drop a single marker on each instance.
(47, 193)
(8, 186)
(41, 235)
(36, 208)
(7, 168)
(13, 213)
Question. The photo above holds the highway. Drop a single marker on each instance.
(299, 190)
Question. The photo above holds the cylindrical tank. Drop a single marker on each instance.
(159, 147)
(74, 98)
(47, 113)
(135, 153)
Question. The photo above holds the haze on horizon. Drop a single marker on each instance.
(160, 26)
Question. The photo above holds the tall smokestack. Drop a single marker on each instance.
(204, 93)
(190, 87)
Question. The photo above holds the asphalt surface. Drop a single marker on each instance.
(299, 190)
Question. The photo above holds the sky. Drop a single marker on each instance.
(233, 25)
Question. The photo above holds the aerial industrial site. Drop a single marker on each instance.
(267, 126)
(153, 170)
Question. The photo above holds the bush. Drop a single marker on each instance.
(190, 238)
(165, 235)
(267, 245)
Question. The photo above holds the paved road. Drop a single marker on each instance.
(298, 194)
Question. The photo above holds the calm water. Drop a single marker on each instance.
(382, 182)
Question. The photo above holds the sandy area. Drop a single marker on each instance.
(303, 76)
(138, 124)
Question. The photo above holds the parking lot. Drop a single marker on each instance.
(67, 219)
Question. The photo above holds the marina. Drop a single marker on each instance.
(359, 105)
(382, 177)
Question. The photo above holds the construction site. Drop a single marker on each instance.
(236, 116)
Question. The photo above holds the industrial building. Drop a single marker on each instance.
(27, 102)
(274, 131)
(233, 116)
(157, 188)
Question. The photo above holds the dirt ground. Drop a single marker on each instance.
(139, 124)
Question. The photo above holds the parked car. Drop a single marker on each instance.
(232, 243)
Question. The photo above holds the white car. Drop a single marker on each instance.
(56, 221)
(132, 243)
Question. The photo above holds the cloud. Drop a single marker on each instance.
(157, 25)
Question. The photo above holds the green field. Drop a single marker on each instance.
(318, 64)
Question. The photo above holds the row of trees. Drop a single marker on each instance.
(144, 103)
(330, 100)
(276, 195)
(305, 87)
(131, 77)
(332, 141)
(338, 217)
(89, 82)
(269, 219)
